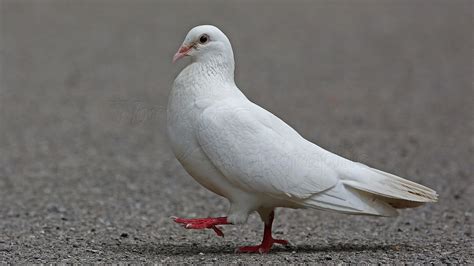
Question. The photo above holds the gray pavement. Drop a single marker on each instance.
(86, 173)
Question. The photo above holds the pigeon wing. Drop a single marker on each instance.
(258, 152)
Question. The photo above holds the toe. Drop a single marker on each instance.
(218, 231)
(248, 249)
(281, 241)
(253, 249)
(179, 220)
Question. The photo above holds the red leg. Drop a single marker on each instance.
(203, 223)
(267, 241)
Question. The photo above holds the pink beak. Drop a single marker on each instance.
(182, 52)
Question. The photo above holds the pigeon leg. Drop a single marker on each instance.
(267, 241)
(203, 223)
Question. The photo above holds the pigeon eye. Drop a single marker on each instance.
(203, 39)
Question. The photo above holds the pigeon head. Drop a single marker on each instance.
(206, 43)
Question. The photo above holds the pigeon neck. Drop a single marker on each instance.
(217, 66)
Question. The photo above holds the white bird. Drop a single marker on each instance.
(246, 154)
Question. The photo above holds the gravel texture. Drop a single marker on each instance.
(86, 173)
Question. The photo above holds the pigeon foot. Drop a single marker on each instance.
(203, 223)
(267, 241)
(262, 248)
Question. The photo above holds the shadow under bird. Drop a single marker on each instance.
(246, 154)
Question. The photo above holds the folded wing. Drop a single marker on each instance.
(258, 152)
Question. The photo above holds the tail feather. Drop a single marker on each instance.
(396, 191)
(350, 201)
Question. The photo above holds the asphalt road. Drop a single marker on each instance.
(86, 173)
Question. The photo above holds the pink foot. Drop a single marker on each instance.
(203, 223)
(267, 241)
(262, 248)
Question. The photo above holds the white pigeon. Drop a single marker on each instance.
(246, 154)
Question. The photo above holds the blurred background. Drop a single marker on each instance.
(86, 173)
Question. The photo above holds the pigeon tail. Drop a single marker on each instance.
(347, 200)
(396, 191)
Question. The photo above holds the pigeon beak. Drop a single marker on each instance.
(182, 52)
